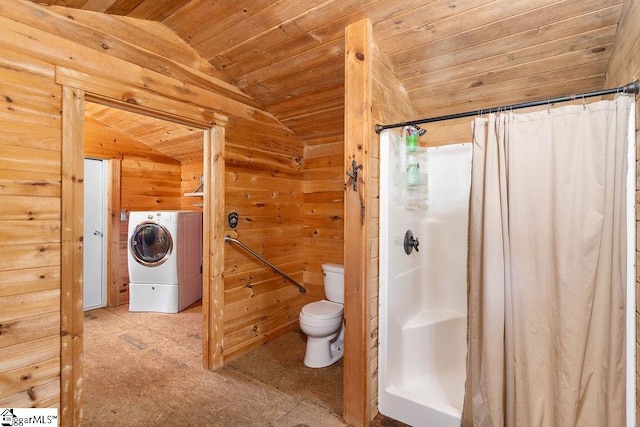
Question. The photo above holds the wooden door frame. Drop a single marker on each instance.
(114, 168)
(108, 256)
(74, 94)
(114, 207)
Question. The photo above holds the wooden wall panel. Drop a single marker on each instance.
(44, 396)
(29, 297)
(264, 186)
(32, 376)
(150, 184)
(324, 173)
(190, 174)
(30, 189)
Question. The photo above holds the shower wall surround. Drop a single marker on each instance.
(422, 313)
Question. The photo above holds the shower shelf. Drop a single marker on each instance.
(429, 317)
(422, 179)
(414, 185)
(199, 191)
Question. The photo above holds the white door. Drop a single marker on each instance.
(95, 290)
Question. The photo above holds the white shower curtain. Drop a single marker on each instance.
(547, 268)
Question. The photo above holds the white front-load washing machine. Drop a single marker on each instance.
(165, 260)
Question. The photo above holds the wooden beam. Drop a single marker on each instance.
(157, 95)
(358, 128)
(113, 232)
(71, 296)
(213, 246)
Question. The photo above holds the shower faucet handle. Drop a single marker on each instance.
(410, 243)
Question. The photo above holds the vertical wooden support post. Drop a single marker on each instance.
(213, 246)
(71, 297)
(358, 128)
(113, 232)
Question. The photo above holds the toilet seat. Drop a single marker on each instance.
(322, 310)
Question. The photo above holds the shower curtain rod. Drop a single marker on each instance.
(633, 87)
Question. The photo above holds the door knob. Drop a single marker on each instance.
(97, 233)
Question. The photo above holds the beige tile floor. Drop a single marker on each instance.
(145, 369)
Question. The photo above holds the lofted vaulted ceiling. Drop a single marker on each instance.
(450, 55)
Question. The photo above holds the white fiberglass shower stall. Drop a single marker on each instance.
(424, 202)
(424, 205)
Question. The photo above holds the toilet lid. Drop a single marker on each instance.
(323, 309)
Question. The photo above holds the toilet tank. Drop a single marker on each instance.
(333, 276)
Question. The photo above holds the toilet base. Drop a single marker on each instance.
(323, 352)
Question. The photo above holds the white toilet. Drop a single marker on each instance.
(322, 322)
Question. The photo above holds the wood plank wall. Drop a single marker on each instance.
(264, 171)
(624, 67)
(30, 189)
(323, 188)
(190, 172)
(264, 176)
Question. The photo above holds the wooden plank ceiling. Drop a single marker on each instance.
(450, 55)
(174, 140)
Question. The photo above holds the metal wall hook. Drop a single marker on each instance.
(353, 175)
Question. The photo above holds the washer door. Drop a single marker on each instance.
(150, 244)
